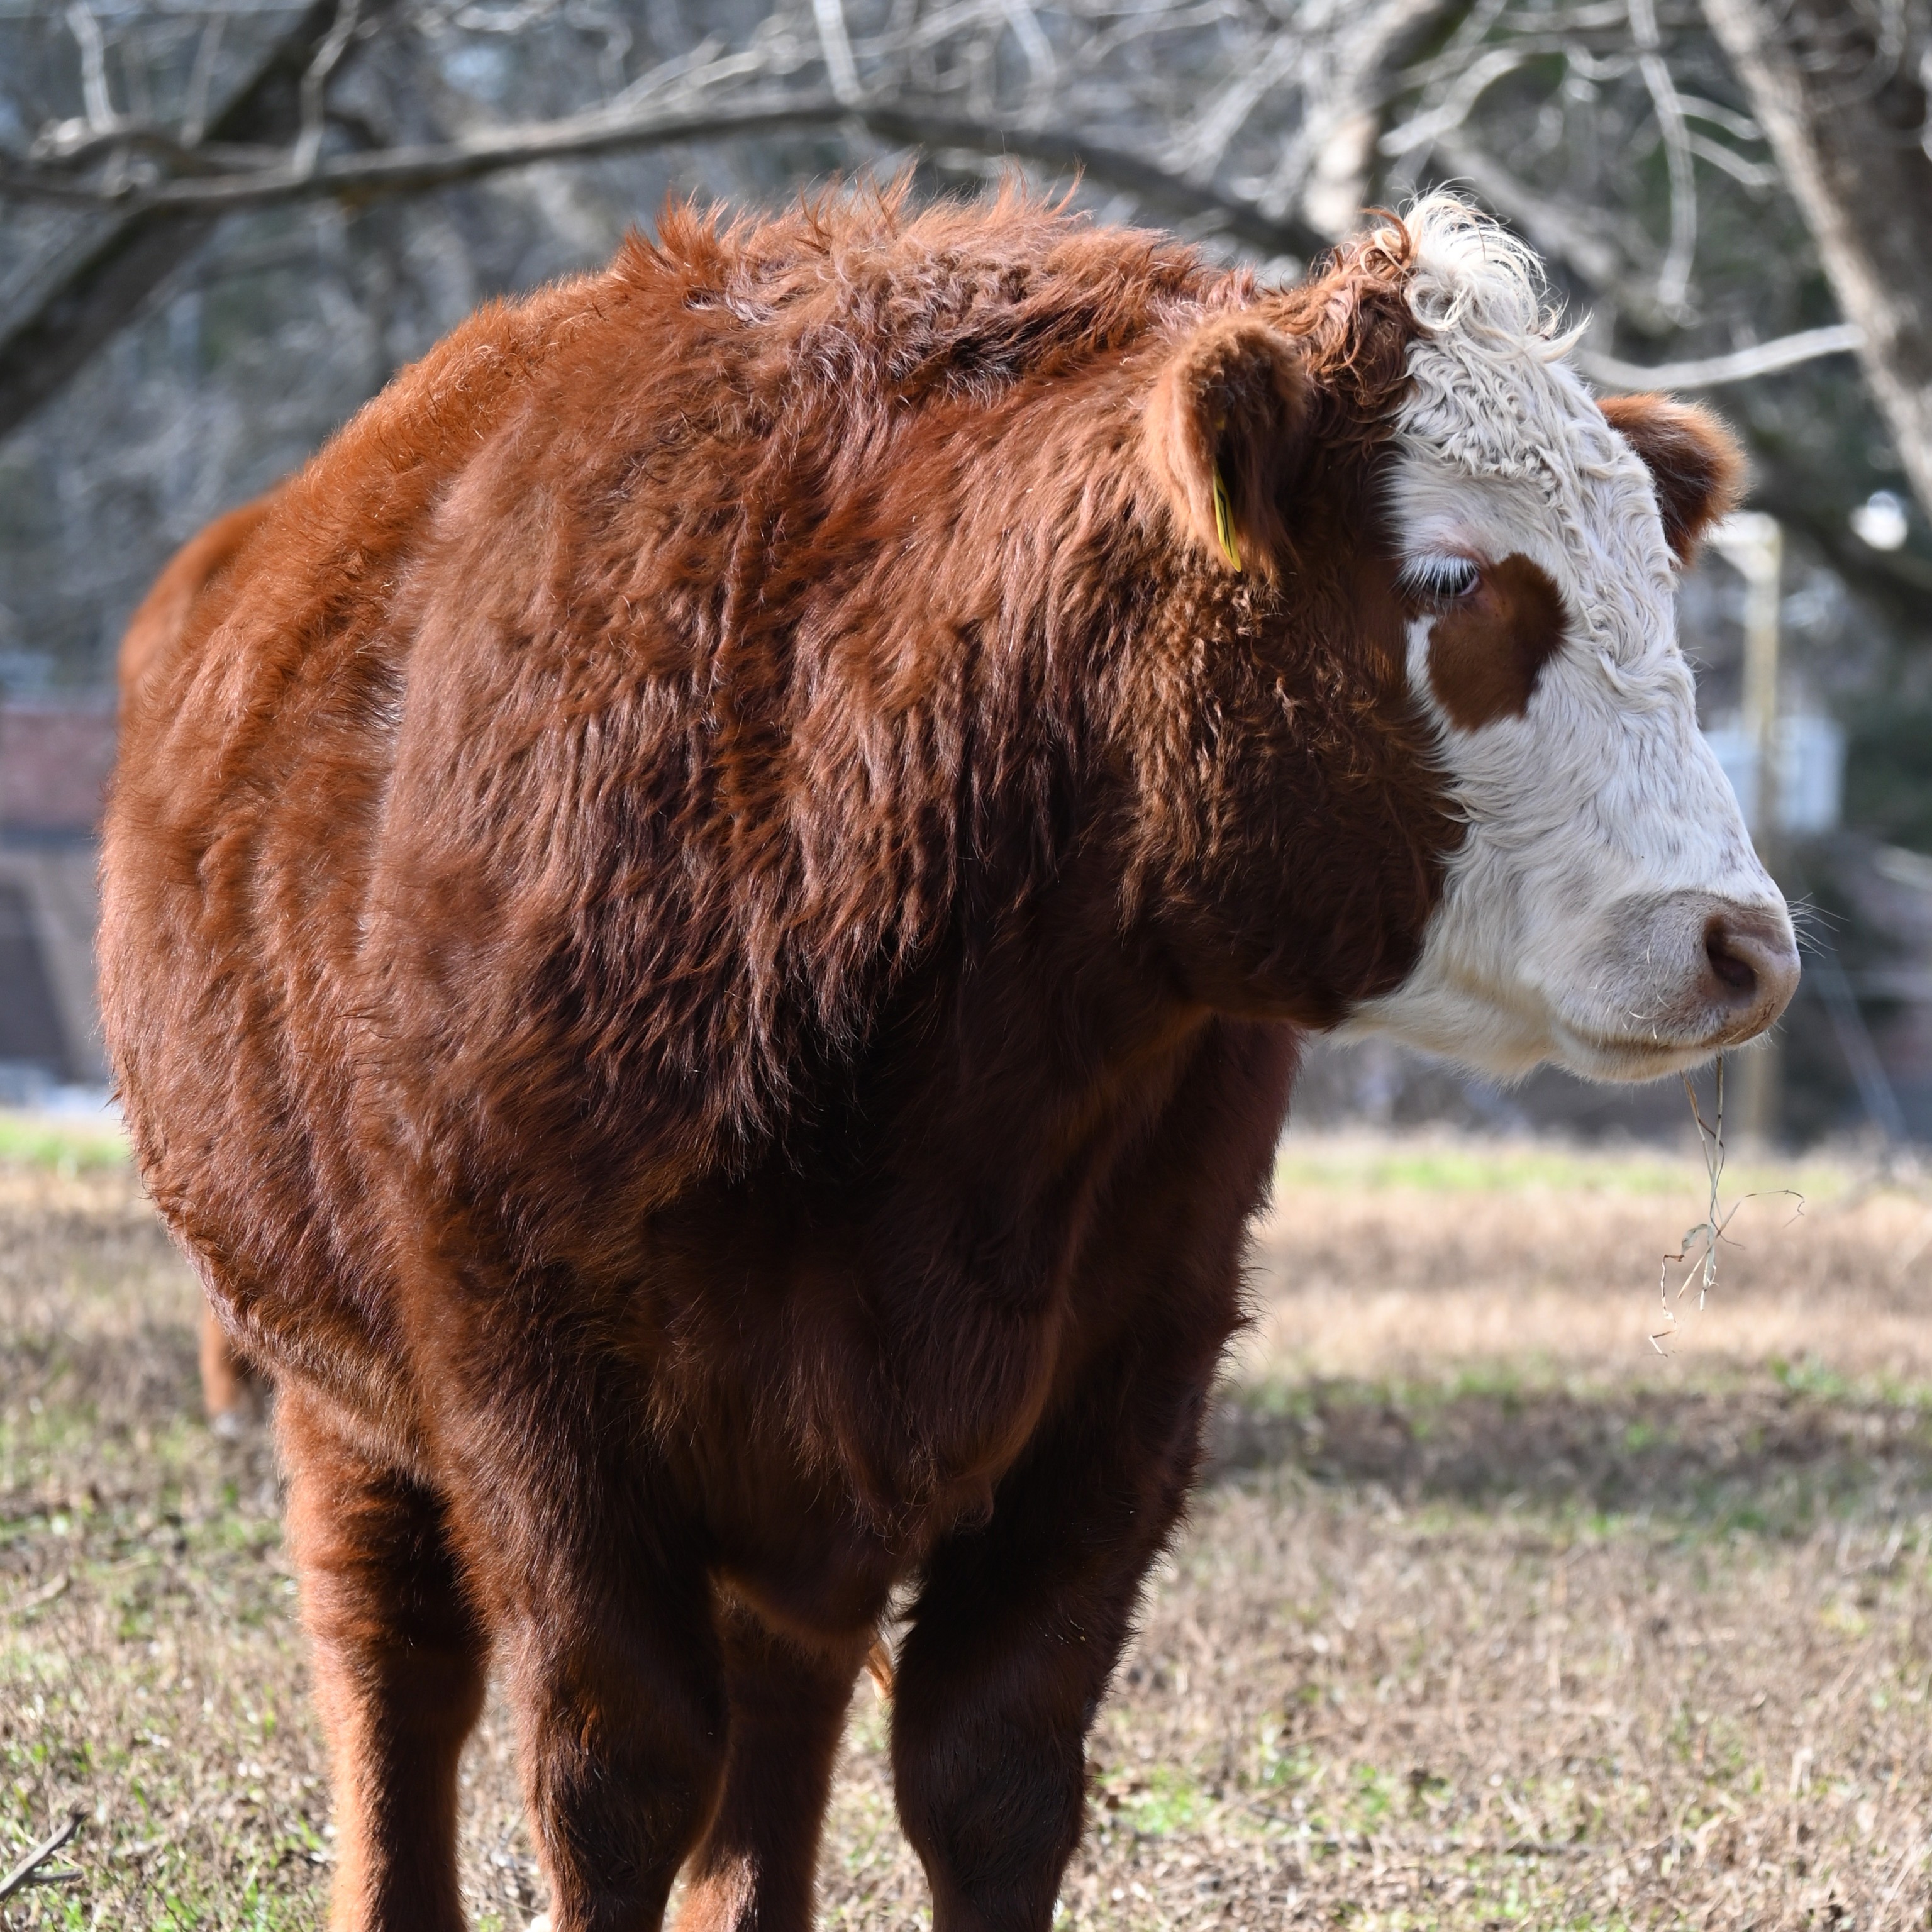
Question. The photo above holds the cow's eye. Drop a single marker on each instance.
(1441, 579)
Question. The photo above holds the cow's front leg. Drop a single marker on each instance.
(1016, 1632)
(592, 1572)
(756, 1870)
(600, 1599)
(615, 1678)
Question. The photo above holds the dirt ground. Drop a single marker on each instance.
(1490, 1613)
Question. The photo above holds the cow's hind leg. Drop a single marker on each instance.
(233, 1391)
(756, 1869)
(399, 1665)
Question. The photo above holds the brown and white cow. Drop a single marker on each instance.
(705, 944)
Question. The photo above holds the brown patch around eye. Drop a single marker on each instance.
(1486, 652)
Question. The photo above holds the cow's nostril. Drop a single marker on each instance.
(1728, 959)
(1750, 968)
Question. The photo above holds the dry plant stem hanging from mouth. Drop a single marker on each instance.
(1699, 1246)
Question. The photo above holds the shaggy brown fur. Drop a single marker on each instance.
(162, 615)
(705, 949)
(231, 1390)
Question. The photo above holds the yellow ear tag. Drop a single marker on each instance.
(1224, 521)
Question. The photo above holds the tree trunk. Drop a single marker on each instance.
(1847, 121)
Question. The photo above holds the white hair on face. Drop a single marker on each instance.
(1602, 797)
(1492, 396)
(1466, 273)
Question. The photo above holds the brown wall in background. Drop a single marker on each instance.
(54, 762)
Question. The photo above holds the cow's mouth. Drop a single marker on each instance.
(1630, 1058)
(1656, 985)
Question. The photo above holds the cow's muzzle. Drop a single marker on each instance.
(1681, 975)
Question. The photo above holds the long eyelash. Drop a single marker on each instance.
(1437, 576)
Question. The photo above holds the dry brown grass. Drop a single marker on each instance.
(1489, 1615)
(1401, 1258)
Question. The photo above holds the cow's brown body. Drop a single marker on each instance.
(231, 1391)
(705, 949)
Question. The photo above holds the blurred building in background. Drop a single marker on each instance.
(55, 757)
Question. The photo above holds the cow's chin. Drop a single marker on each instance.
(1616, 1061)
(1501, 1032)
(1497, 1046)
(1505, 1033)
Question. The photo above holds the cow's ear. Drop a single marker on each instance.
(1693, 460)
(1226, 425)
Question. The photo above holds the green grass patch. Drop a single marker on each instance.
(66, 1146)
(1426, 1167)
(1154, 1801)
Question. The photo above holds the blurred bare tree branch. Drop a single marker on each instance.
(1153, 101)
(405, 169)
(418, 154)
(115, 261)
(1087, 80)
(1841, 91)
(1270, 120)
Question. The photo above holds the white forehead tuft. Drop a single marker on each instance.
(1491, 390)
(1468, 274)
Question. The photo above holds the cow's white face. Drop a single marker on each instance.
(1606, 909)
